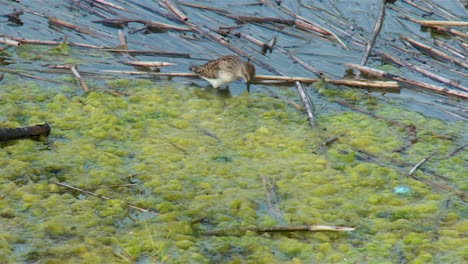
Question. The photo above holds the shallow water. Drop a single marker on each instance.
(197, 156)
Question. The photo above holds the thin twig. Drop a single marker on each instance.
(104, 197)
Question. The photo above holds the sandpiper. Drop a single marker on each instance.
(224, 70)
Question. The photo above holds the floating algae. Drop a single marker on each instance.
(198, 161)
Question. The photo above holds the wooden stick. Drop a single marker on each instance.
(275, 229)
(308, 105)
(104, 197)
(375, 33)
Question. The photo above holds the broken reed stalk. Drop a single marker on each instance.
(306, 24)
(375, 33)
(57, 22)
(308, 104)
(275, 229)
(75, 72)
(103, 197)
(423, 71)
(149, 63)
(47, 42)
(430, 23)
(147, 23)
(111, 5)
(441, 25)
(10, 42)
(176, 10)
(426, 86)
(418, 165)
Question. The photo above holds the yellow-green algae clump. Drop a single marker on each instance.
(198, 158)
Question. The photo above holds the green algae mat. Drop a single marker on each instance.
(196, 161)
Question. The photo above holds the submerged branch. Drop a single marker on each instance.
(275, 229)
(103, 197)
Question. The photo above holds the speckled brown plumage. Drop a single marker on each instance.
(225, 70)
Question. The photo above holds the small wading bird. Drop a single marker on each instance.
(224, 70)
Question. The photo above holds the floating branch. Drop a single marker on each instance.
(104, 197)
(276, 229)
(308, 105)
(24, 132)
